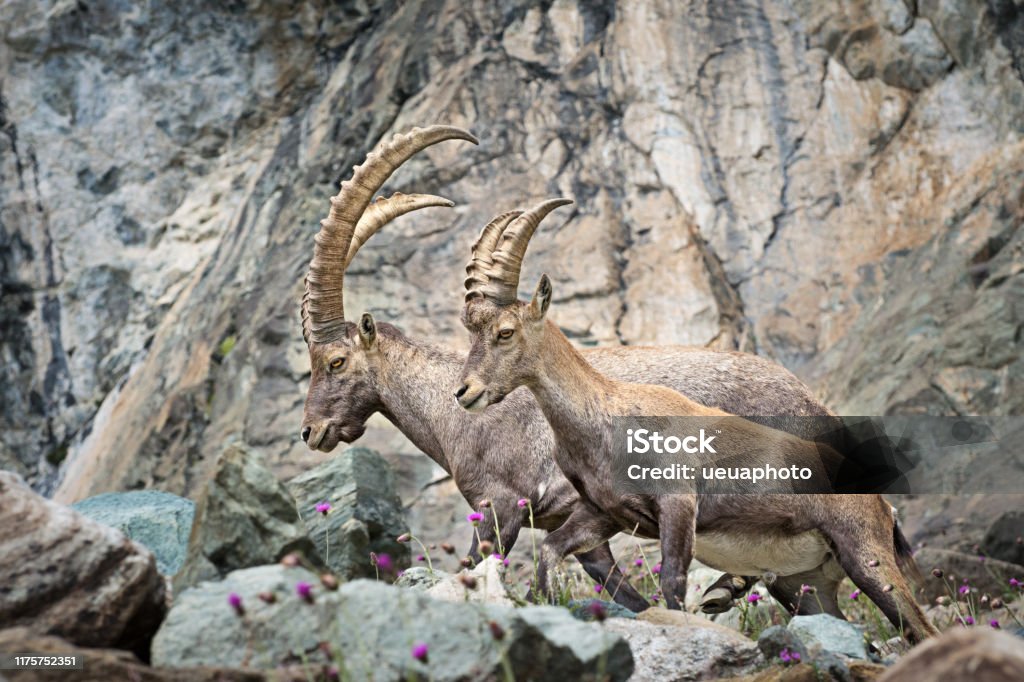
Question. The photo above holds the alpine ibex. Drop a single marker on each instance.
(793, 540)
(505, 455)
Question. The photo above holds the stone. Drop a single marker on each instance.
(977, 654)
(366, 513)
(489, 579)
(371, 627)
(1004, 539)
(104, 665)
(824, 633)
(63, 574)
(586, 609)
(159, 521)
(774, 639)
(245, 517)
(697, 650)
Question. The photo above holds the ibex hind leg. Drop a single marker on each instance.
(584, 530)
(810, 592)
(599, 563)
(865, 548)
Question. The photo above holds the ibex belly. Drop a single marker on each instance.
(756, 554)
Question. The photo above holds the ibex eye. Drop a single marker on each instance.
(337, 363)
(506, 333)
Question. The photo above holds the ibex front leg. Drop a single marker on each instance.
(585, 529)
(677, 524)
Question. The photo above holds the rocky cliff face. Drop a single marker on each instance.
(839, 188)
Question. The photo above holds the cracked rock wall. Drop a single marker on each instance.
(835, 186)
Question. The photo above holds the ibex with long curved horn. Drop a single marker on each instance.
(791, 539)
(360, 369)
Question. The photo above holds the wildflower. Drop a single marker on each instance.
(753, 598)
(523, 502)
(656, 569)
(984, 599)
(468, 580)
(806, 589)
(465, 562)
(419, 652)
(497, 632)
(384, 562)
(333, 674)
(968, 620)
(475, 518)
(267, 597)
(1015, 583)
(597, 609)
(937, 572)
(404, 538)
(304, 590)
(598, 587)
(329, 581)
(290, 560)
(235, 600)
(655, 597)
(994, 623)
(486, 548)
(448, 547)
(484, 504)
(854, 595)
(420, 558)
(788, 656)
(997, 603)
(324, 507)
(964, 589)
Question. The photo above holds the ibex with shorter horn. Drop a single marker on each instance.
(792, 540)
(362, 368)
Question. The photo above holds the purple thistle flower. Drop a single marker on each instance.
(964, 589)
(419, 652)
(753, 598)
(523, 502)
(384, 562)
(598, 587)
(994, 623)
(854, 595)
(404, 537)
(597, 609)
(655, 597)
(475, 518)
(656, 569)
(420, 557)
(324, 507)
(639, 562)
(1015, 583)
(304, 590)
(805, 589)
(235, 600)
(968, 620)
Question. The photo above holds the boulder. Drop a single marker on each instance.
(854, 671)
(984, 574)
(824, 633)
(1004, 539)
(63, 574)
(157, 520)
(586, 609)
(694, 649)
(245, 517)
(370, 630)
(104, 665)
(976, 654)
(365, 516)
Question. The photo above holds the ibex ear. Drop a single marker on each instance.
(367, 330)
(541, 298)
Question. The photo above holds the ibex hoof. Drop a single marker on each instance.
(718, 600)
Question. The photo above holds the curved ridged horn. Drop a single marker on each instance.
(500, 280)
(382, 211)
(323, 311)
(480, 261)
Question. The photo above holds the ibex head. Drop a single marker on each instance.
(506, 333)
(343, 356)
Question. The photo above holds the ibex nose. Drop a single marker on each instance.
(462, 391)
(306, 430)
